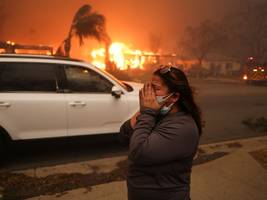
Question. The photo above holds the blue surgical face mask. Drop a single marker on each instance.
(165, 109)
(162, 99)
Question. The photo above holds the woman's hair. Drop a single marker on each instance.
(176, 81)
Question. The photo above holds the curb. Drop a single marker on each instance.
(113, 169)
(108, 164)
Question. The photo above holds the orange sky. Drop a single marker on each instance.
(129, 21)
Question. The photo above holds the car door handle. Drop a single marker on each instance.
(77, 103)
(5, 104)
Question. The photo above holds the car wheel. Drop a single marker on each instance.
(1, 146)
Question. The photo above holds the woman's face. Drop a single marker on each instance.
(159, 86)
(161, 89)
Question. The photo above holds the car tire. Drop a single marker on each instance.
(2, 145)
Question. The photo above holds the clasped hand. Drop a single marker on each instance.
(147, 97)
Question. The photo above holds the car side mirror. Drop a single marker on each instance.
(116, 92)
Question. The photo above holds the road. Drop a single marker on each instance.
(224, 105)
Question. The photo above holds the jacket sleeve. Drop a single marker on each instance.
(172, 140)
(125, 133)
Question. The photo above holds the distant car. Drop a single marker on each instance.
(254, 72)
(48, 97)
(255, 75)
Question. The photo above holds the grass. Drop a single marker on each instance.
(257, 124)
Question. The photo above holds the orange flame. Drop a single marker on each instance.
(121, 55)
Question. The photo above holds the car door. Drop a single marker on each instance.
(31, 105)
(91, 107)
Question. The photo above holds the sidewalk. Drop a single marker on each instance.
(225, 80)
(233, 170)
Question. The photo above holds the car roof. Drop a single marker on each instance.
(43, 59)
(32, 56)
(53, 59)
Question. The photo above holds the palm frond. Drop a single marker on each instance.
(85, 24)
(91, 26)
(83, 11)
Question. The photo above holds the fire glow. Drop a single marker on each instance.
(122, 56)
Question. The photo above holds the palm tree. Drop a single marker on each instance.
(86, 24)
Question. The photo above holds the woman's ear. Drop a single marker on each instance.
(176, 97)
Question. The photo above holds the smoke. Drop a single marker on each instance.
(129, 21)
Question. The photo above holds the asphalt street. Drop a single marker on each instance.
(224, 106)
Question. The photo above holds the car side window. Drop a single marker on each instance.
(27, 77)
(81, 79)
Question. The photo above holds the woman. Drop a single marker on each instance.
(163, 138)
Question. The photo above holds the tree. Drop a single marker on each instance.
(247, 30)
(155, 42)
(201, 40)
(3, 17)
(86, 24)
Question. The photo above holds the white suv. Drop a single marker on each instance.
(46, 97)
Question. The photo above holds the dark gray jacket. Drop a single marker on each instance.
(161, 150)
